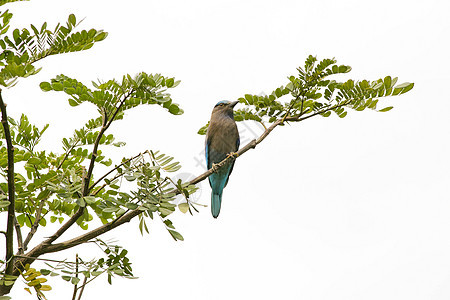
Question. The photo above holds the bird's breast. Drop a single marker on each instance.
(223, 136)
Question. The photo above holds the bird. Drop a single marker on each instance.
(222, 139)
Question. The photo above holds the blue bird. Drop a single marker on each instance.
(222, 138)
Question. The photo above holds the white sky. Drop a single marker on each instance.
(326, 209)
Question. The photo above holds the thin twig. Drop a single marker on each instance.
(20, 245)
(46, 259)
(35, 225)
(76, 275)
(115, 168)
(105, 184)
(82, 287)
(263, 125)
(67, 154)
(106, 124)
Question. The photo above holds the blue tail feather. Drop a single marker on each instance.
(216, 200)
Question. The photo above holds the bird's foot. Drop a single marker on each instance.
(215, 168)
(233, 155)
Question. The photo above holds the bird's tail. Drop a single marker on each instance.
(216, 200)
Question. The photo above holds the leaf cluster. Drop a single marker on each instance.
(33, 279)
(23, 47)
(114, 263)
(51, 187)
(312, 91)
(112, 96)
(63, 187)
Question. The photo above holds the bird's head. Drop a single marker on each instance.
(225, 107)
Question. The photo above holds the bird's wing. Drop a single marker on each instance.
(207, 146)
(238, 141)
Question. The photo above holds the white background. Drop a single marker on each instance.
(325, 209)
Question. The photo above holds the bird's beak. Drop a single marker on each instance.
(232, 104)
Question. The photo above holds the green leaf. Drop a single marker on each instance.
(130, 205)
(403, 88)
(4, 204)
(34, 282)
(81, 202)
(386, 109)
(170, 82)
(403, 85)
(130, 177)
(174, 109)
(72, 20)
(96, 273)
(249, 98)
(176, 235)
(34, 161)
(75, 280)
(89, 199)
(111, 209)
(73, 102)
(3, 2)
(164, 211)
(57, 86)
(290, 86)
(43, 194)
(387, 82)
(45, 272)
(100, 36)
(202, 131)
(326, 114)
(278, 93)
(45, 86)
(183, 207)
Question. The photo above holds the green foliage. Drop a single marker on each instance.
(107, 96)
(8, 280)
(3, 2)
(63, 188)
(53, 187)
(33, 280)
(114, 263)
(52, 190)
(24, 47)
(312, 92)
(202, 131)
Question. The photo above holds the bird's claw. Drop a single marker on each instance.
(214, 168)
(233, 155)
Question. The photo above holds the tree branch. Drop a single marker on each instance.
(106, 124)
(319, 112)
(86, 179)
(20, 245)
(66, 155)
(82, 287)
(35, 225)
(127, 217)
(11, 190)
(74, 295)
